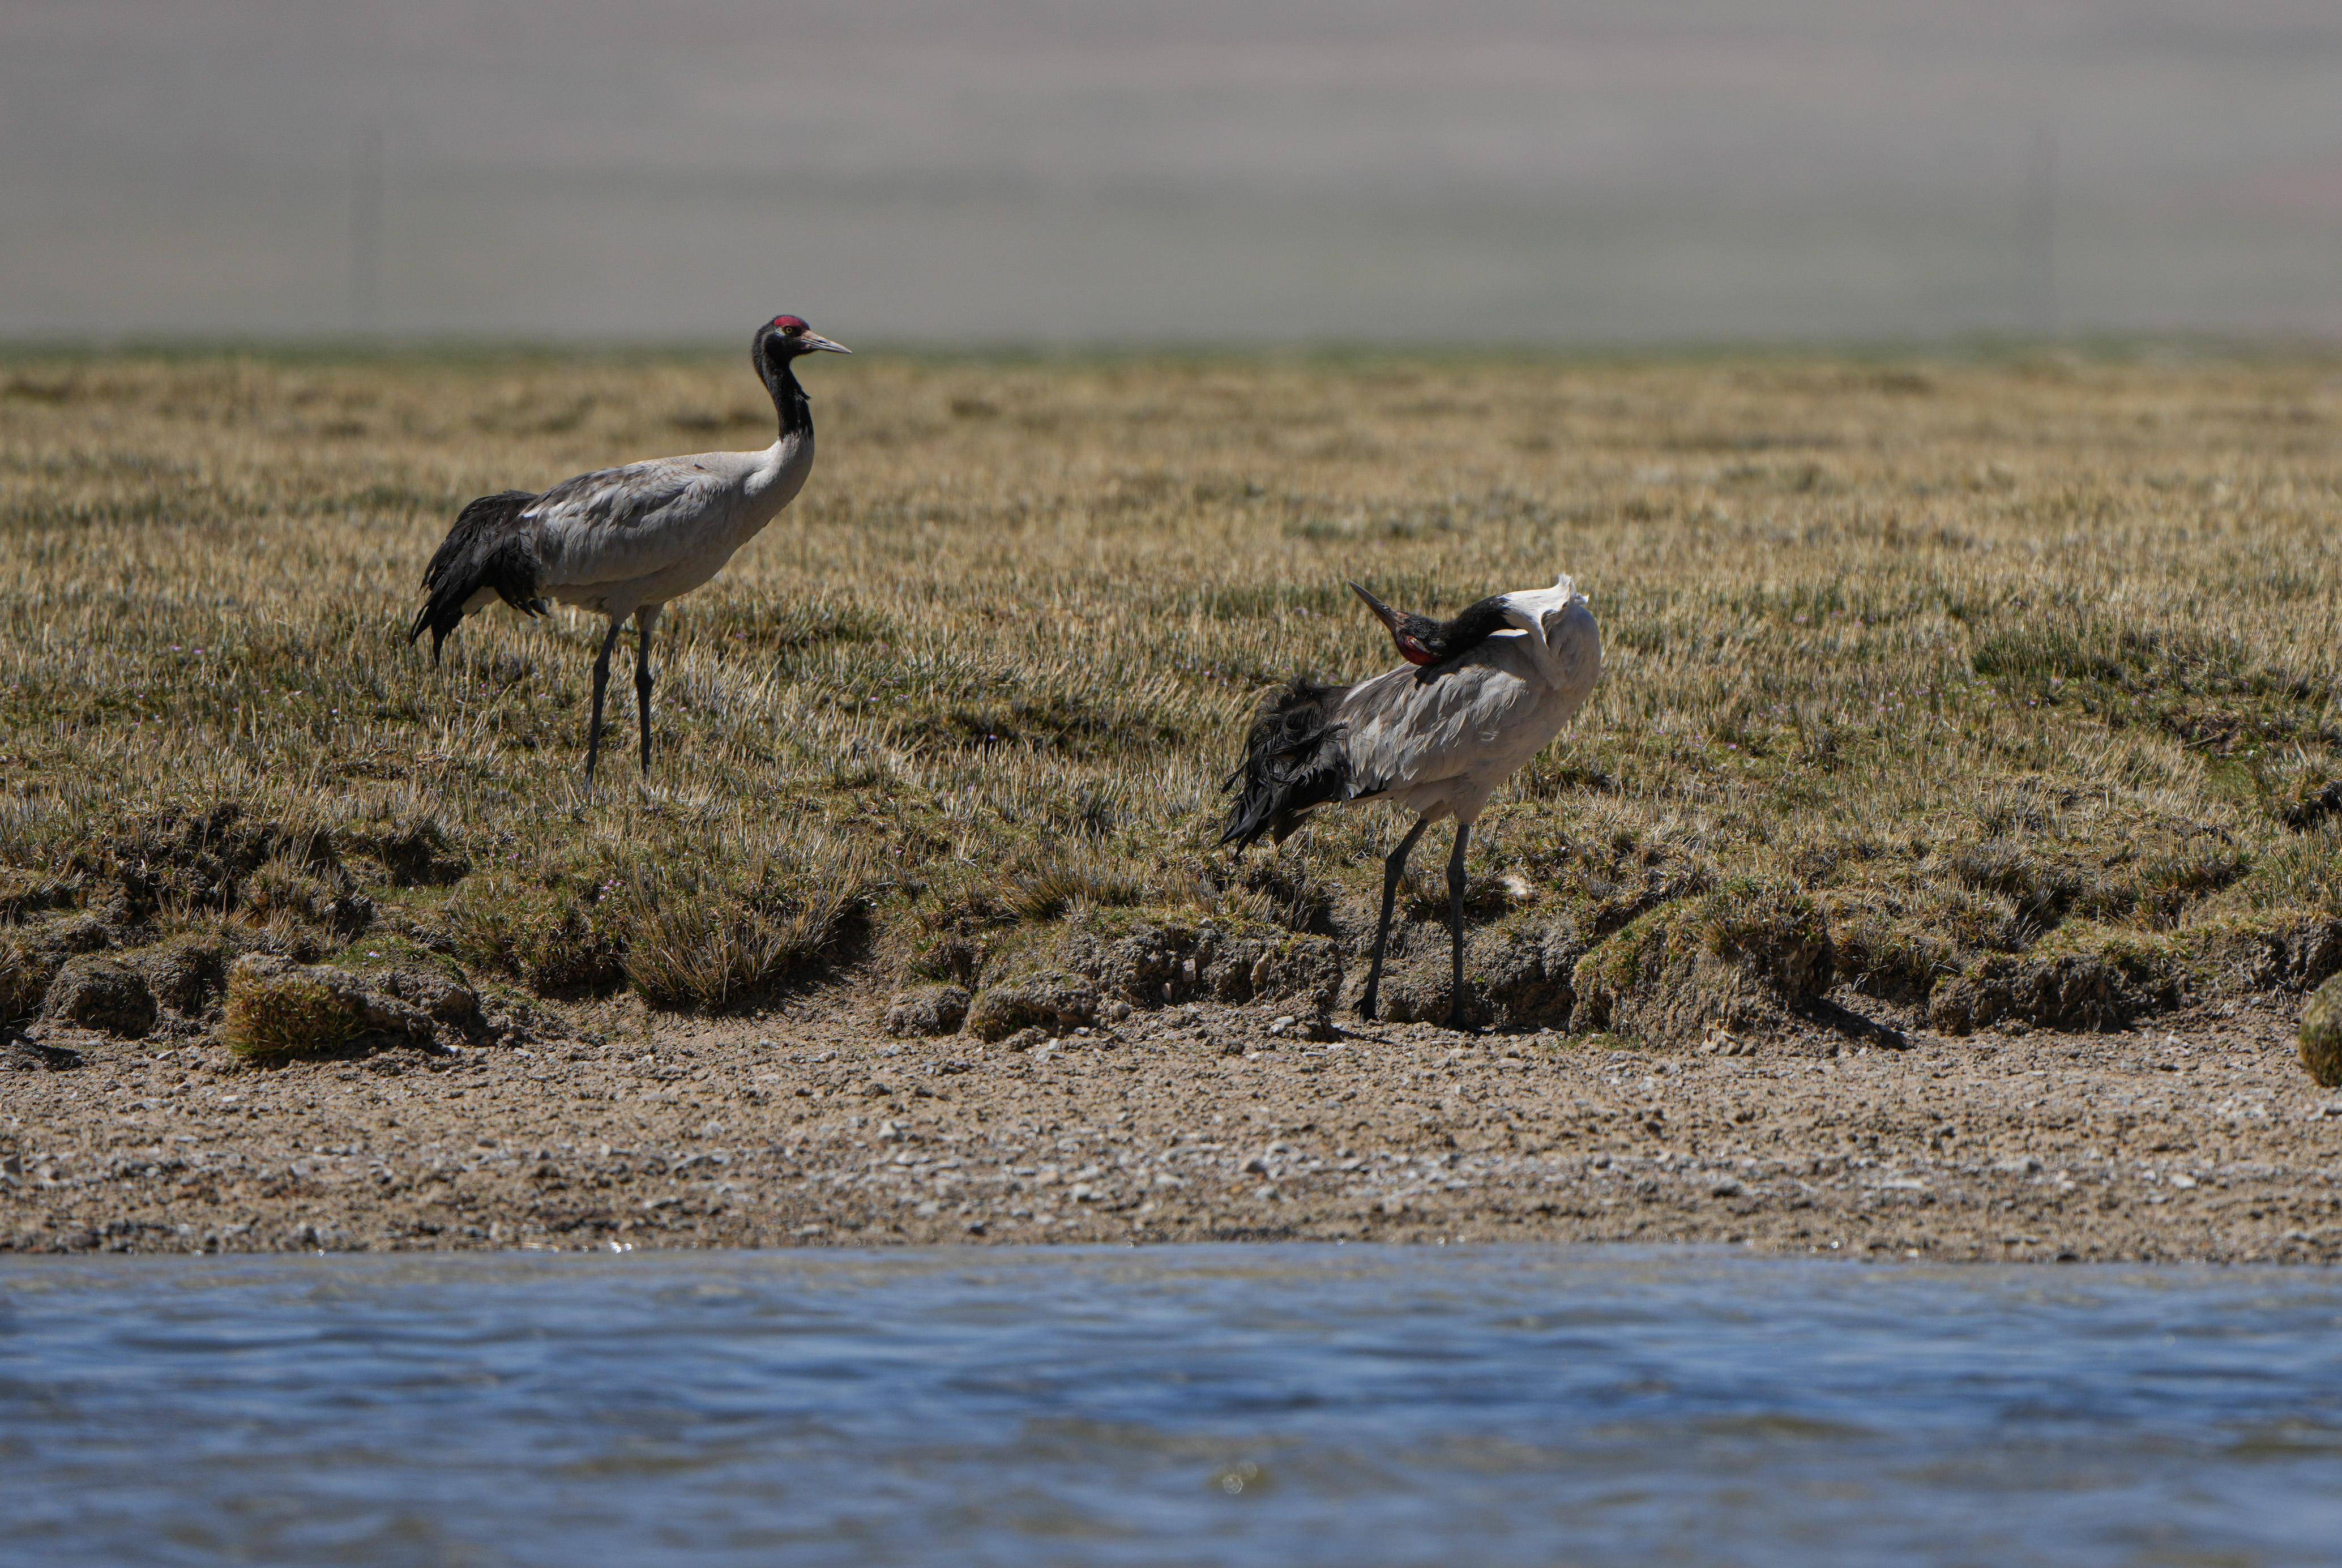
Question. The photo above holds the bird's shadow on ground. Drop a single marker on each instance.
(30, 1053)
(1855, 1026)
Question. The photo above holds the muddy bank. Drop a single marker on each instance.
(2201, 1138)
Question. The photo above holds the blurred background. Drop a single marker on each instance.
(1078, 172)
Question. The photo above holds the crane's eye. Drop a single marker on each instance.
(791, 330)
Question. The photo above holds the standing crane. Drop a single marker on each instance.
(622, 542)
(1480, 695)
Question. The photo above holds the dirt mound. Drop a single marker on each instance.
(189, 859)
(1744, 957)
(1514, 978)
(927, 1011)
(2314, 804)
(187, 974)
(101, 992)
(25, 892)
(411, 854)
(31, 956)
(1894, 960)
(1159, 964)
(1049, 1001)
(439, 993)
(2281, 952)
(2093, 980)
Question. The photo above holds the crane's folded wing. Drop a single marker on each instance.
(618, 524)
(1406, 730)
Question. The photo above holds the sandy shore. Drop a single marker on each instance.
(2202, 1139)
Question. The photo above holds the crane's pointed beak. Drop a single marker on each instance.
(815, 343)
(1403, 636)
(1383, 613)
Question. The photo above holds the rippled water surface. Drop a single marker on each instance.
(1273, 1406)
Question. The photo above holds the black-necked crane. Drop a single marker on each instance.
(1480, 695)
(624, 541)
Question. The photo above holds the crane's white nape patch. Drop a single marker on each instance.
(1528, 607)
(1532, 606)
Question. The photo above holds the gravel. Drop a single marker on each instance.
(2199, 1140)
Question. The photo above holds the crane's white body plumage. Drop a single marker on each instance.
(623, 539)
(1439, 741)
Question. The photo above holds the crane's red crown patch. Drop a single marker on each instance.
(783, 322)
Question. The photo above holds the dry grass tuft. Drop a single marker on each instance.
(2015, 673)
(27, 965)
(693, 942)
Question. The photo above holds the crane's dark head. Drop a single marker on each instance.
(1420, 640)
(784, 337)
(1415, 637)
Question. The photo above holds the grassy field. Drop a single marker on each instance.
(2003, 689)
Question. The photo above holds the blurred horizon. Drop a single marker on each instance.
(1290, 173)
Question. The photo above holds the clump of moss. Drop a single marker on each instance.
(1294, 895)
(951, 925)
(413, 851)
(307, 902)
(2043, 886)
(2321, 1035)
(2165, 884)
(1745, 957)
(276, 1010)
(1054, 884)
(1608, 881)
(1893, 960)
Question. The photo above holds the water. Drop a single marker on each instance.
(1273, 1406)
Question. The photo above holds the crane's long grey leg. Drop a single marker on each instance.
(1456, 923)
(1393, 867)
(601, 685)
(645, 619)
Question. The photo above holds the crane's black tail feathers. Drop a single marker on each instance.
(487, 548)
(1293, 760)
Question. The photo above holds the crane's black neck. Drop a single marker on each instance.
(780, 379)
(1470, 628)
(1437, 641)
